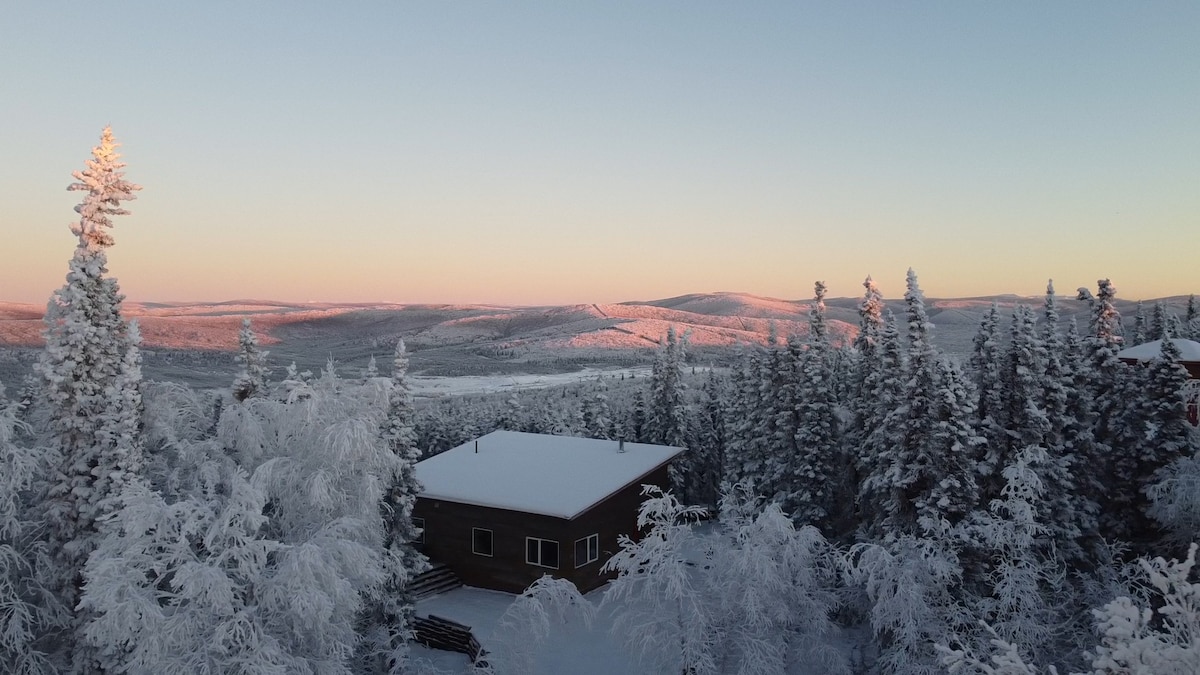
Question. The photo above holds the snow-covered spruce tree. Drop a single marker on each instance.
(820, 486)
(780, 391)
(395, 610)
(1191, 320)
(707, 442)
(1160, 325)
(252, 363)
(122, 431)
(1070, 518)
(863, 363)
(1020, 417)
(597, 415)
(1107, 386)
(878, 449)
(87, 342)
(667, 420)
(1140, 330)
(1162, 437)
(663, 615)
(24, 616)
(955, 450)
(986, 363)
(927, 440)
(745, 457)
(867, 364)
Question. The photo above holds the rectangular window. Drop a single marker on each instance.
(481, 541)
(419, 523)
(541, 552)
(587, 550)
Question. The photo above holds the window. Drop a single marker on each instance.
(541, 552)
(587, 550)
(419, 523)
(481, 541)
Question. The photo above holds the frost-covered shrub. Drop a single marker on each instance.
(664, 616)
(910, 586)
(1175, 499)
(267, 567)
(1163, 639)
(528, 621)
(772, 586)
(24, 612)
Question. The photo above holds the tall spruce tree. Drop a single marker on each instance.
(1079, 434)
(818, 485)
(744, 454)
(926, 441)
(1160, 324)
(87, 360)
(883, 393)
(708, 442)
(1020, 419)
(1140, 330)
(1066, 446)
(866, 370)
(667, 422)
(1108, 382)
(986, 362)
(251, 379)
(1160, 436)
(394, 609)
(1191, 322)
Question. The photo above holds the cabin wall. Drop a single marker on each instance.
(448, 538)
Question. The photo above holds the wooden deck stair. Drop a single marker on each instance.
(435, 580)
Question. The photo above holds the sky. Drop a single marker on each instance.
(573, 152)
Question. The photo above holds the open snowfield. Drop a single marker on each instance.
(572, 648)
(433, 387)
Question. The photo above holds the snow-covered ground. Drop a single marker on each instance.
(432, 387)
(572, 648)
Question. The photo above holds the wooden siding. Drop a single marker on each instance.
(448, 528)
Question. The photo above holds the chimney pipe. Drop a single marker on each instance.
(621, 445)
(477, 446)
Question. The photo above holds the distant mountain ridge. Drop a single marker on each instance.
(483, 339)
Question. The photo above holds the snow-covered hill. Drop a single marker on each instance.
(193, 341)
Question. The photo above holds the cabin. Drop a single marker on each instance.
(506, 508)
(1189, 358)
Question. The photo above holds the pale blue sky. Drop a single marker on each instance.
(577, 152)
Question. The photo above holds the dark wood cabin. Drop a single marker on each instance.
(1189, 358)
(506, 508)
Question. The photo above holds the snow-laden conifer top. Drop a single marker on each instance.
(559, 476)
(1188, 350)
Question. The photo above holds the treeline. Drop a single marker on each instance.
(1004, 498)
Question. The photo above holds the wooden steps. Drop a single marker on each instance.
(437, 579)
(438, 633)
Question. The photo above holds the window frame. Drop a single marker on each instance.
(541, 542)
(592, 543)
(419, 523)
(491, 542)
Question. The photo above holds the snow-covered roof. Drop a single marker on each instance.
(558, 476)
(1188, 350)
